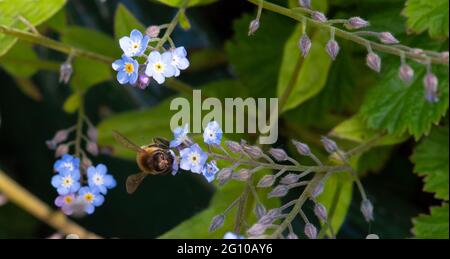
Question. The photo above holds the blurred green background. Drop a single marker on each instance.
(164, 202)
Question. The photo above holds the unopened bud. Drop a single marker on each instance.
(387, 38)
(3, 200)
(279, 154)
(329, 145)
(333, 49)
(302, 148)
(153, 31)
(279, 191)
(304, 44)
(270, 216)
(305, 3)
(317, 190)
(92, 134)
(65, 72)
(233, 146)
(143, 81)
(260, 211)
(290, 179)
(253, 27)
(318, 16)
(61, 150)
(374, 62)
(86, 162)
(257, 230)
(51, 144)
(310, 231)
(367, 210)
(266, 181)
(253, 151)
(320, 211)
(291, 236)
(444, 55)
(356, 23)
(92, 148)
(242, 175)
(406, 73)
(217, 222)
(60, 136)
(224, 175)
(430, 83)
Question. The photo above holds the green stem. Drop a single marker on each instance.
(240, 215)
(79, 127)
(172, 25)
(390, 49)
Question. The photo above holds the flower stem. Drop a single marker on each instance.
(390, 49)
(79, 126)
(172, 25)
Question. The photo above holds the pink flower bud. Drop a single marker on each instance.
(406, 73)
(65, 72)
(253, 27)
(302, 148)
(304, 44)
(266, 181)
(333, 49)
(143, 81)
(92, 148)
(257, 230)
(430, 83)
(224, 175)
(60, 136)
(61, 150)
(216, 222)
(318, 16)
(260, 211)
(242, 175)
(317, 190)
(305, 3)
(310, 231)
(233, 146)
(321, 212)
(387, 38)
(367, 210)
(290, 179)
(92, 134)
(291, 236)
(444, 55)
(153, 31)
(279, 191)
(374, 62)
(356, 23)
(3, 200)
(329, 145)
(278, 154)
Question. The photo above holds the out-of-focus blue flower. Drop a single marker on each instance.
(99, 180)
(91, 198)
(135, 45)
(127, 70)
(160, 66)
(66, 182)
(193, 158)
(64, 202)
(210, 170)
(180, 136)
(176, 162)
(231, 235)
(67, 164)
(179, 60)
(213, 133)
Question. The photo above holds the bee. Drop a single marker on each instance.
(152, 159)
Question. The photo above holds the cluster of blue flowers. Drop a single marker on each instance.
(157, 66)
(73, 197)
(192, 157)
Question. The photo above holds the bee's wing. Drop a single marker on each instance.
(133, 182)
(126, 142)
(162, 142)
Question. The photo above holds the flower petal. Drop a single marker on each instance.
(122, 77)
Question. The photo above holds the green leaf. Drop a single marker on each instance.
(22, 52)
(433, 226)
(431, 161)
(336, 197)
(256, 60)
(354, 129)
(35, 12)
(88, 73)
(91, 40)
(184, 21)
(72, 103)
(428, 15)
(310, 80)
(125, 22)
(403, 109)
(179, 3)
